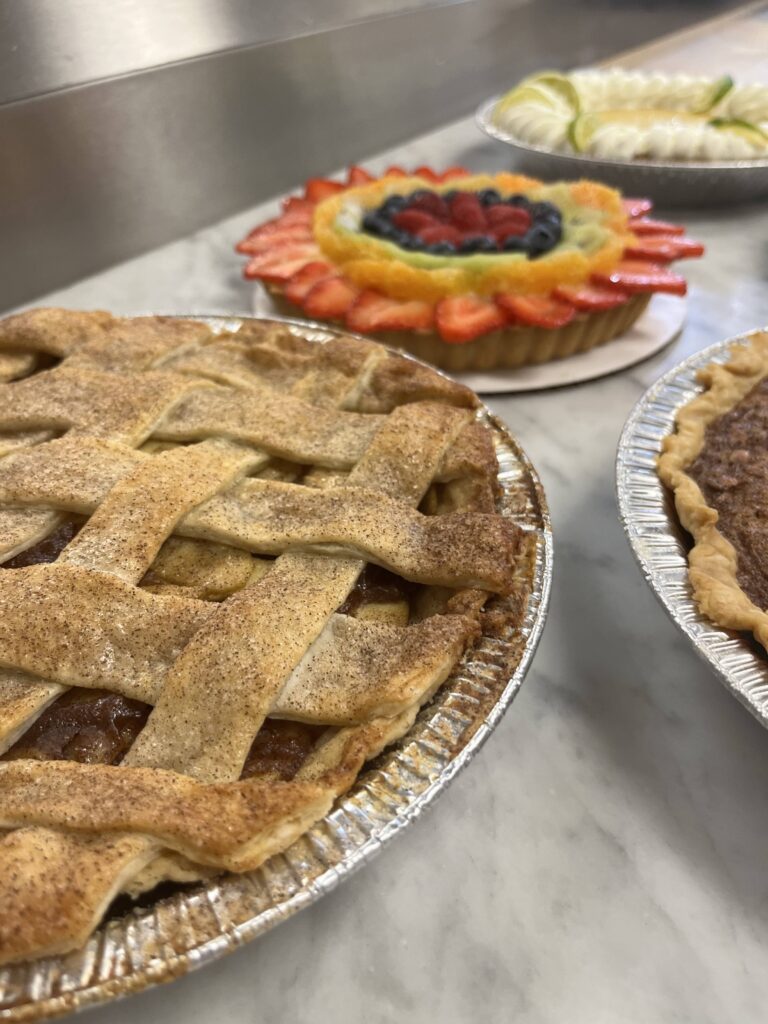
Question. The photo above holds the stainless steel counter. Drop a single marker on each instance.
(127, 124)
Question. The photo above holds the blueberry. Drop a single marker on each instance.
(375, 224)
(519, 200)
(393, 204)
(488, 196)
(451, 195)
(478, 243)
(540, 239)
(410, 242)
(420, 193)
(544, 211)
(441, 249)
(514, 243)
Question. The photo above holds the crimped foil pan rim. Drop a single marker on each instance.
(192, 928)
(484, 120)
(658, 541)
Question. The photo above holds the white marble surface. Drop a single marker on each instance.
(603, 859)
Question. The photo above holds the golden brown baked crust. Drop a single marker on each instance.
(231, 489)
(713, 561)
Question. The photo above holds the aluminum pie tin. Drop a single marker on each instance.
(678, 183)
(659, 542)
(197, 925)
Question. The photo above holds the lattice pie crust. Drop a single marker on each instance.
(231, 488)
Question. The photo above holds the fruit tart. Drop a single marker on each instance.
(717, 467)
(468, 271)
(234, 565)
(636, 115)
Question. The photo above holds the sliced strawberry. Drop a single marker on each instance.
(454, 172)
(467, 213)
(359, 176)
(280, 267)
(318, 189)
(278, 225)
(432, 203)
(275, 240)
(536, 310)
(373, 311)
(296, 204)
(464, 317)
(505, 231)
(646, 226)
(413, 220)
(500, 213)
(441, 233)
(330, 299)
(589, 297)
(305, 279)
(636, 207)
(427, 173)
(395, 172)
(664, 248)
(639, 276)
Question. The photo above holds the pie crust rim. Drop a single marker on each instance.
(712, 560)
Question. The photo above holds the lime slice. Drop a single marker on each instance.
(719, 90)
(561, 85)
(751, 132)
(526, 94)
(582, 129)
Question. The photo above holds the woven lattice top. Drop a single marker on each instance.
(234, 567)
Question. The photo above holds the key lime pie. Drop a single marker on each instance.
(634, 115)
(470, 272)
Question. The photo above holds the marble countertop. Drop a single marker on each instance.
(602, 860)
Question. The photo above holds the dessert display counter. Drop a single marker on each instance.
(604, 858)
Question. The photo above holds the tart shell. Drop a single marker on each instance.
(513, 346)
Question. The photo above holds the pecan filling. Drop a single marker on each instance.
(374, 586)
(49, 548)
(732, 472)
(99, 727)
(89, 726)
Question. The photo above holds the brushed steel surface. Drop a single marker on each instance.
(678, 183)
(47, 45)
(197, 925)
(660, 544)
(95, 174)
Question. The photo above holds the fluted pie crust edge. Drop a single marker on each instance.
(713, 561)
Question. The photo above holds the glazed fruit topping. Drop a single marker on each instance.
(463, 223)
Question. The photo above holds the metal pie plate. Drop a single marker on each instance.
(196, 925)
(678, 183)
(660, 544)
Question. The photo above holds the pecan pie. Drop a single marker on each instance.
(235, 565)
(717, 465)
